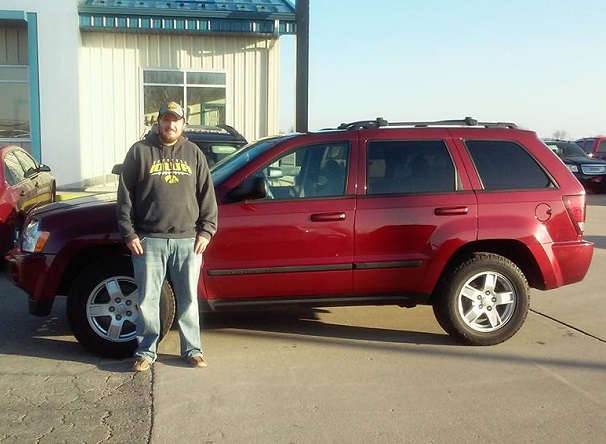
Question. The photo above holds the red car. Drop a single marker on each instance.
(461, 215)
(23, 184)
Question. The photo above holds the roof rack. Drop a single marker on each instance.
(381, 122)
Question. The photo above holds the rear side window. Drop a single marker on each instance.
(602, 147)
(412, 166)
(505, 165)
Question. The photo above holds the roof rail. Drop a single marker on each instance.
(364, 124)
(231, 130)
(467, 121)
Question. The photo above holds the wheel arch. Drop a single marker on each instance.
(513, 250)
(83, 259)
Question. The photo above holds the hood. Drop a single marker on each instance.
(583, 160)
(84, 201)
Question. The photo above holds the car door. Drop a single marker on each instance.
(415, 210)
(18, 186)
(12, 199)
(297, 242)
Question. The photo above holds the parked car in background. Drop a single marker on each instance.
(23, 184)
(591, 172)
(461, 215)
(216, 142)
(593, 146)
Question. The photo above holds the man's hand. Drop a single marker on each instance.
(200, 245)
(135, 246)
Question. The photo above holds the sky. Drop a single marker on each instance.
(538, 63)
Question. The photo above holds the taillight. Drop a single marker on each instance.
(576, 206)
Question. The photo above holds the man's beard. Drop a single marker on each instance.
(168, 139)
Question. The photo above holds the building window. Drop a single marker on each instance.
(14, 96)
(202, 95)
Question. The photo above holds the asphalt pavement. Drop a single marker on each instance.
(354, 374)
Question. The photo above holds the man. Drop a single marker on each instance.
(167, 214)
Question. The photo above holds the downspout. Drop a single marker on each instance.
(302, 74)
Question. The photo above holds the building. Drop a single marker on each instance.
(81, 80)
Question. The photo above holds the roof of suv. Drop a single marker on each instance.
(380, 122)
(218, 133)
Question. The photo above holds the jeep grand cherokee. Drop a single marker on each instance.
(462, 215)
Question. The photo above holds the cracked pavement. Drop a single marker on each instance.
(54, 391)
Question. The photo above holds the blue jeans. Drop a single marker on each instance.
(175, 258)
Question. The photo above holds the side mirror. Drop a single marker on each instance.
(43, 167)
(117, 169)
(252, 188)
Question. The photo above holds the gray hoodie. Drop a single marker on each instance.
(166, 191)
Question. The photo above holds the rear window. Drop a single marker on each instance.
(412, 166)
(506, 165)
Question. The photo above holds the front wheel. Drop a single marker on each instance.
(102, 308)
(484, 301)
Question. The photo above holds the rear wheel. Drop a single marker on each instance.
(102, 308)
(484, 301)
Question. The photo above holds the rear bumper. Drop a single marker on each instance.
(30, 272)
(569, 263)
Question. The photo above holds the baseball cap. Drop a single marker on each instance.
(173, 108)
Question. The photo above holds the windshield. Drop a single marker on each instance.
(566, 149)
(226, 167)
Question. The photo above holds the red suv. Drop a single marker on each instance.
(593, 146)
(463, 215)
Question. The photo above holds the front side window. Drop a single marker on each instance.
(410, 166)
(202, 95)
(506, 165)
(27, 163)
(308, 172)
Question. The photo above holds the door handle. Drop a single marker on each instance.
(327, 217)
(451, 211)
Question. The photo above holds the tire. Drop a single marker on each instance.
(484, 301)
(105, 323)
(54, 192)
(16, 234)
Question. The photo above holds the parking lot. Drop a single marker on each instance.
(356, 374)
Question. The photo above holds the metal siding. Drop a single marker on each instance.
(111, 65)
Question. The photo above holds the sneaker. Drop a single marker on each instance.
(141, 365)
(196, 361)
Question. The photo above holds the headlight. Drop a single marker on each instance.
(573, 168)
(33, 239)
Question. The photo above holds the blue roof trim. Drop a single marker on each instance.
(275, 17)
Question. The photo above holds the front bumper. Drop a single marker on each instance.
(30, 272)
(593, 183)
